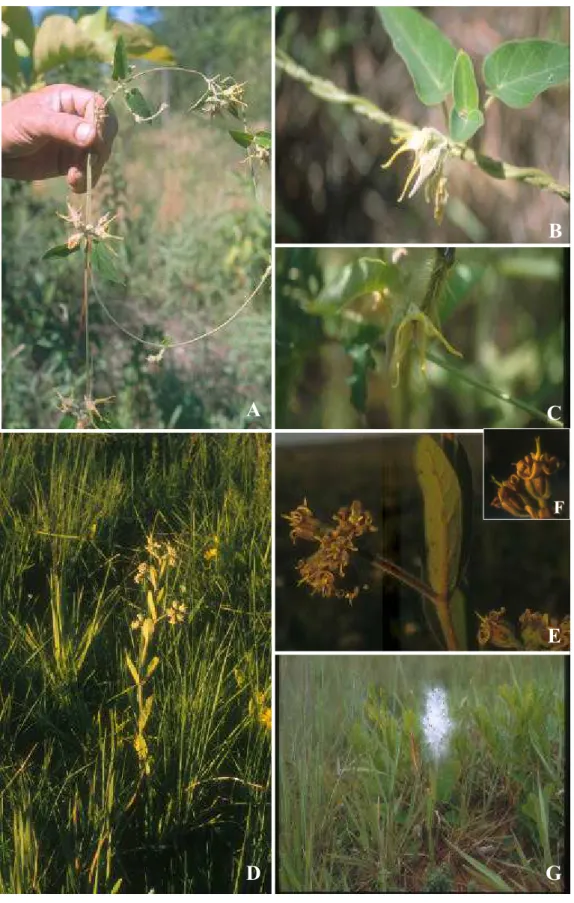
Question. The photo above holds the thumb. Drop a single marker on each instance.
(68, 129)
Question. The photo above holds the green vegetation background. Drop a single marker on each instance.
(197, 240)
(354, 775)
(77, 815)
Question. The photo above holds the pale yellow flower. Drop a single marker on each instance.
(138, 622)
(431, 150)
(176, 612)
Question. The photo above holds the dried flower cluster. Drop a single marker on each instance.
(222, 94)
(527, 492)
(87, 230)
(534, 629)
(153, 574)
(322, 569)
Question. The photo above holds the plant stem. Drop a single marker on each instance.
(492, 390)
(440, 603)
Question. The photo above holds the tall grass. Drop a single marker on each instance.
(81, 811)
(365, 807)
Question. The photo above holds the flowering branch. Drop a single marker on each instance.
(497, 169)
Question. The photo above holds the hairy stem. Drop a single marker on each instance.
(497, 169)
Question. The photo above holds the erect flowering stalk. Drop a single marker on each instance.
(436, 723)
(437, 729)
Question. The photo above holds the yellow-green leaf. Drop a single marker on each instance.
(133, 670)
(152, 666)
(59, 40)
(442, 515)
(145, 713)
(151, 605)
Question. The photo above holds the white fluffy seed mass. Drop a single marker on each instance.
(436, 722)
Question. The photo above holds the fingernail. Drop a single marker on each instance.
(84, 132)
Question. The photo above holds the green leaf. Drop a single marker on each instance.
(19, 21)
(263, 139)
(442, 515)
(518, 71)
(105, 262)
(67, 422)
(60, 251)
(462, 280)
(464, 87)
(137, 103)
(355, 279)
(427, 53)
(361, 354)
(244, 139)
(462, 126)
(482, 871)
(447, 777)
(120, 70)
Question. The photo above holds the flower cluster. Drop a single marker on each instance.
(527, 492)
(534, 628)
(322, 569)
(212, 551)
(223, 94)
(87, 230)
(86, 413)
(260, 710)
(152, 575)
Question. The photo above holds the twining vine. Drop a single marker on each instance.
(95, 241)
(426, 140)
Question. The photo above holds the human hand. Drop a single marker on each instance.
(49, 133)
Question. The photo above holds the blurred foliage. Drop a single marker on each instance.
(32, 56)
(330, 187)
(222, 40)
(195, 223)
(502, 309)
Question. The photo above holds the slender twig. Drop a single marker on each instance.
(440, 603)
(492, 390)
(167, 345)
(497, 169)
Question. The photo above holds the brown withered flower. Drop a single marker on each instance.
(534, 629)
(527, 492)
(494, 630)
(329, 563)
